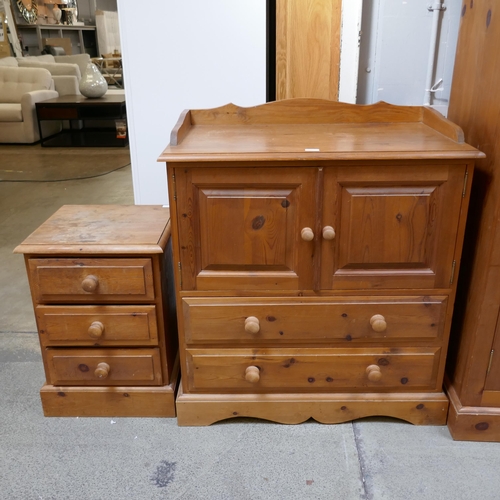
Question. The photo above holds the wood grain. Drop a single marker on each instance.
(270, 306)
(417, 408)
(475, 106)
(310, 320)
(123, 325)
(133, 367)
(308, 48)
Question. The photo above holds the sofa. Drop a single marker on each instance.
(66, 71)
(20, 90)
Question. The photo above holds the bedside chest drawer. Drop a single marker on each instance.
(104, 367)
(356, 319)
(92, 280)
(355, 370)
(97, 325)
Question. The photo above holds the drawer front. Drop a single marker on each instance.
(103, 367)
(312, 370)
(354, 319)
(97, 325)
(92, 280)
(56, 113)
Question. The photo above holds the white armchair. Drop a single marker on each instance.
(20, 90)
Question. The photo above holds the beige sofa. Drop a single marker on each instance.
(20, 89)
(66, 71)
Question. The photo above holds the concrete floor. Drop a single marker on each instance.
(131, 458)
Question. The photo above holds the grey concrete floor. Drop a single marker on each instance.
(132, 458)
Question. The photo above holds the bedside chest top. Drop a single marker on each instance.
(101, 229)
(315, 129)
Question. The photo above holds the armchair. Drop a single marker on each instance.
(20, 89)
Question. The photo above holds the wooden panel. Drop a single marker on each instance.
(241, 228)
(121, 325)
(100, 229)
(259, 241)
(475, 106)
(308, 48)
(61, 401)
(310, 320)
(391, 232)
(59, 280)
(126, 366)
(402, 369)
(415, 407)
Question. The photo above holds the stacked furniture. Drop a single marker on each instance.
(100, 279)
(317, 248)
(473, 371)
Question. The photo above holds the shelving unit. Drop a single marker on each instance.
(83, 38)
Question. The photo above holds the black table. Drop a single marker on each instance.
(80, 110)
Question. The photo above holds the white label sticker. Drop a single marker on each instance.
(312, 149)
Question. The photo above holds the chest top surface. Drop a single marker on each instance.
(98, 229)
(312, 129)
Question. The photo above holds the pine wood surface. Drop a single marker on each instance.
(269, 238)
(60, 280)
(473, 380)
(205, 409)
(312, 370)
(284, 130)
(138, 366)
(104, 319)
(308, 48)
(394, 218)
(121, 325)
(306, 320)
(97, 229)
(114, 401)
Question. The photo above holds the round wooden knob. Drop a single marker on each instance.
(252, 374)
(328, 233)
(374, 373)
(96, 329)
(102, 370)
(307, 234)
(378, 323)
(252, 324)
(90, 283)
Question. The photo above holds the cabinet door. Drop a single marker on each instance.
(240, 228)
(395, 226)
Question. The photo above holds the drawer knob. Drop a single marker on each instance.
(378, 323)
(96, 329)
(252, 324)
(374, 373)
(328, 233)
(102, 370)
(252, 374)
(90, 283)
(307, 234)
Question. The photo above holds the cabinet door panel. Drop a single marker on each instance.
(396, 226)
(239, 228)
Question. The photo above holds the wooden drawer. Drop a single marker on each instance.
(312, 370)
(103, 366)
(91, 280)
(97, 325)
(251, 320)
(56, 113)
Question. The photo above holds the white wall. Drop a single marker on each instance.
(185, 54)
(394, 52)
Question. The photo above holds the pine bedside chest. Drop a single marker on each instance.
(316, 247)
(100, 279)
